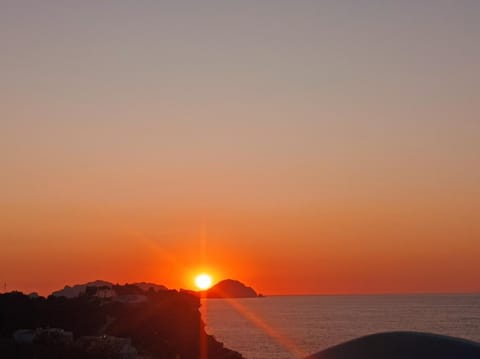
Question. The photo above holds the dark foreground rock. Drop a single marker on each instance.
(163, 324)
(402, 345)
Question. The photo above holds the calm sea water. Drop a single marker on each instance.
(277, 327)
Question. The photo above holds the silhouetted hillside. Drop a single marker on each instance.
(103, 286)
(165, 324)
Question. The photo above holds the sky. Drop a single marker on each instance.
(302, 147)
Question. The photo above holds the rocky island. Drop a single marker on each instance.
(230, 288)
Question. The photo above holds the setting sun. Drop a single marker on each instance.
(203, 281)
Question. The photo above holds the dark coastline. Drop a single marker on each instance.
(164, 324)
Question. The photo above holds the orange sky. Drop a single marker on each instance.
(338, 154)
(359, 249)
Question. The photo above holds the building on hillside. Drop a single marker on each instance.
(24, 336)
(43, 335)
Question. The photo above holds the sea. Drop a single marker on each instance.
(287, 327)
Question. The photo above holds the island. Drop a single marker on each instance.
(230, 288)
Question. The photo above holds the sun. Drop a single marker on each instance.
(203, 281)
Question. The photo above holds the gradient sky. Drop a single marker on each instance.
(298, 146)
